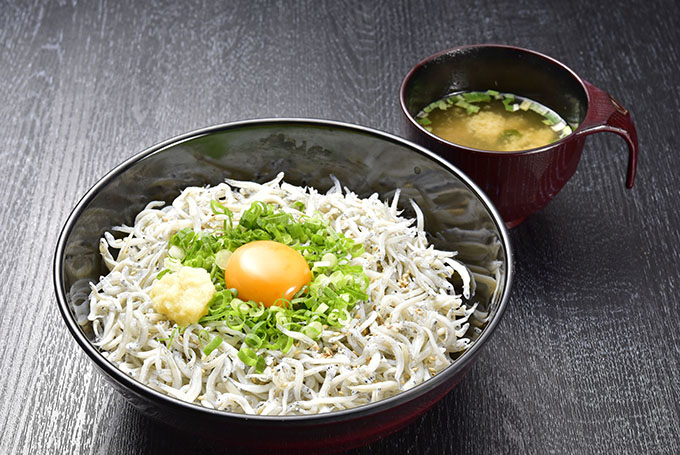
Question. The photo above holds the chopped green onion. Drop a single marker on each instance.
(247, 356)
(539, 109)
(176, 252)
(559, 127)
(203, 334)
(476, 97)
(321, 308)
(218, 208)
(221, 258)
(511, 103)
(313, 330)
(253, 341)
(512, 132)
(250, 358)
(214, 343)
(507, 135)
(330, 258)
(162, 273)
(172, 336)
(469, 108)
(335, 289)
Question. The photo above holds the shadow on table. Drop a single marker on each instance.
(479, 416)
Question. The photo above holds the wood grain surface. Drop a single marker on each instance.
(587, 357)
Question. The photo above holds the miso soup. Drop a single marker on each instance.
(493, 121)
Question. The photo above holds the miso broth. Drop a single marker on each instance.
(493, 121)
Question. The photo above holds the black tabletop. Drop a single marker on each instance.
(587, 356)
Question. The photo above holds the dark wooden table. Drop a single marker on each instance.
(587, 357)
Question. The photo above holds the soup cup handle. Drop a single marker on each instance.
(606, 114)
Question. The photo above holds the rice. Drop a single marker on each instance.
(403, 335)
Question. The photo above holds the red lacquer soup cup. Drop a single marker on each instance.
(522, 182)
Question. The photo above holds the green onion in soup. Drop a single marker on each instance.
(493, 121)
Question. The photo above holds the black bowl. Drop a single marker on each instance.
(458, 216)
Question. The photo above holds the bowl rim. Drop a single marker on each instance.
(456, 49)
(329, 417)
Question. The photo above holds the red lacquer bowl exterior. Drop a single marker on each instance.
(523, 182)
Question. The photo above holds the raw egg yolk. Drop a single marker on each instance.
(266, 271)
